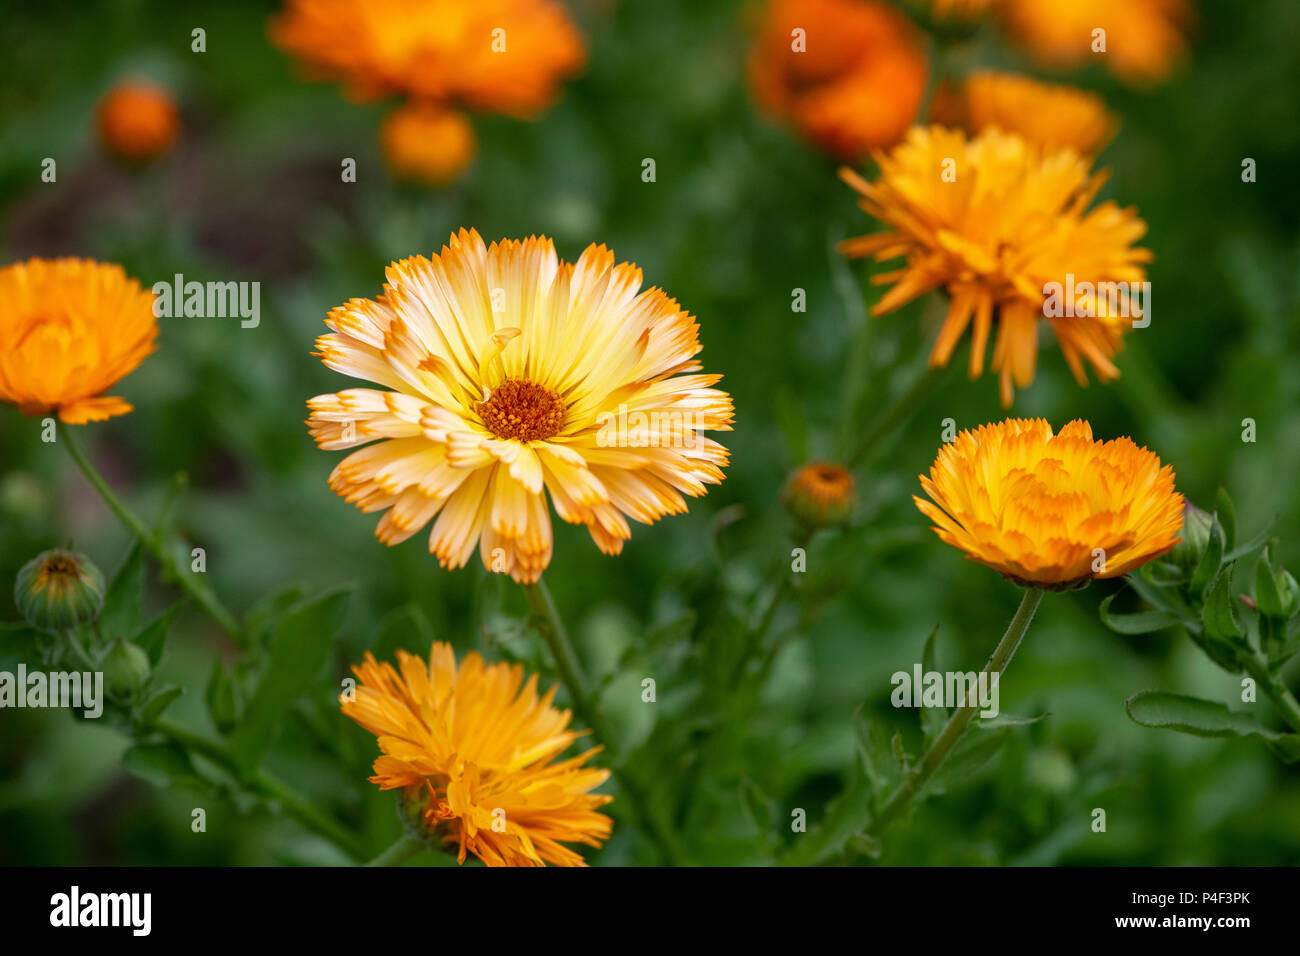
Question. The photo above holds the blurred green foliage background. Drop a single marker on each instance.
(741, 214)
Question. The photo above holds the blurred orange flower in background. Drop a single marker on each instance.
(69, 330)
(505, 56)
(1049, 115)
(427, 144)
(137, 121)
(848, 74)
(1144, 39)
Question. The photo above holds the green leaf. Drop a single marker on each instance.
(1254, 544)
(1004, 720)
(1219, 615)
(933, 719)
(153, 708)
(163, 765)
(299, 649)
(153, 638)
(1267, 598)
(1205, 718)
(874, 752)
(124, 596)
(221, 698)
(758, 807)
(1210, 561)
(1143, 622)
(265, 614)
(972, 752)
(1227, 516)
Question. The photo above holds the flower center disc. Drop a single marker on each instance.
(522, 410)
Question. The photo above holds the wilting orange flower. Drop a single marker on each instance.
(848, 74)
(1144, 38)
(513, 372)
(427, 143)
(69, 330)
(820, 494)
(502, 55)
(1052, 510)
(137, 121)
(1048, 115)
(476, 747)
(1008, 220)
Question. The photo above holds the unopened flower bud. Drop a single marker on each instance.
(58, 590)
(820, 495)
(126, 669)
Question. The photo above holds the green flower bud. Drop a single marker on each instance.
(58, 590)
(1288, 592)
(1195, 537)
(126, 669)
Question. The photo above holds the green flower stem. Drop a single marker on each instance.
(151, 540)
(76, 645)
(894, 415)
(933, 758)
(1257, 667)
(550, 626)
(401, 851)
(267, 786)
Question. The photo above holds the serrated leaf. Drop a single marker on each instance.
(123, 598)
(1227, 515)
(1205, 718)
(1143, 622)
(1219, 615)
(299, 649)
(163, 765)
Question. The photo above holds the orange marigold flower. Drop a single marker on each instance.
(1048, 115)
(69, 330)
(513, 375)
(1144, 38)
(1052, 510)
(506, 56)
(820, 494)
(137, 121)
(848, 74)
(1009, 220)
(475, 747)
(427, 143)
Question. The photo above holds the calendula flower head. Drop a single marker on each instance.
(427, 144)
(58, 590)
(1052, 510)
(505, 56)
(69, 330)
(514, 375)
(137, 121)
(1143, 39)
(476, 747)
(1008, 220)
(848, 74)
(1051, 116)
(820, 494)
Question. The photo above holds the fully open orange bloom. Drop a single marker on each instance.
(1144, 38)
(1052, 510)
(69, 330)
(848, 74)
(515, 375)
(502, 55)
(476, 747)
(137, 121)
(993, 220)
